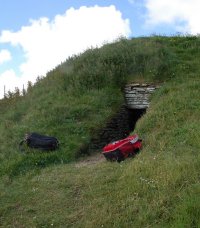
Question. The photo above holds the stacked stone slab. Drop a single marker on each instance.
(137, 95)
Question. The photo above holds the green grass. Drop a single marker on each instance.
(75, 100)
(158, 188)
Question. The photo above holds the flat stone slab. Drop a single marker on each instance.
(137, 95)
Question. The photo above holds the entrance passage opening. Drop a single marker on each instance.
(124, 121)
(134, 116)
(118, 127)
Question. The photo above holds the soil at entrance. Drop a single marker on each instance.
(91, 160)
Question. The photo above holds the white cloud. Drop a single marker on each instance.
(183, 14)
(47, 43)
(4, 56)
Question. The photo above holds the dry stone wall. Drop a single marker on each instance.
(137, 95)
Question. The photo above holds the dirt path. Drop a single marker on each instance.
(90, 160)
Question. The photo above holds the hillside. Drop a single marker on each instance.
(158, 188)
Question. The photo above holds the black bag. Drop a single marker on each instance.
(42, 142)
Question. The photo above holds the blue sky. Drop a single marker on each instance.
(35, 36)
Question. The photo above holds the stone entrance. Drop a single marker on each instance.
(123, 122)
(137, 95)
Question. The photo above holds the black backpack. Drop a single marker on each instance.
(42, 142)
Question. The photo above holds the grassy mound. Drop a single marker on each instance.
(158, 188)
(76, 99)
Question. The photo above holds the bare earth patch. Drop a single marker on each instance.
(91, 160)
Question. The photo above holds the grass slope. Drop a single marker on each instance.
(76, 99)
(158, 188)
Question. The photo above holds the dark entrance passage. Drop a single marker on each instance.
(118, 127)
(134, 116)
(124, 121)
